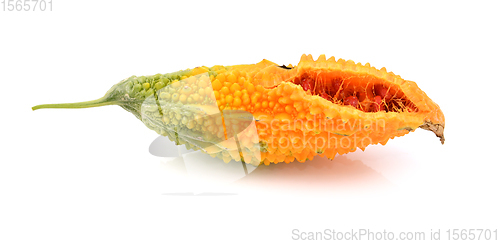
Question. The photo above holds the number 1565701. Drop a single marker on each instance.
(27, 5)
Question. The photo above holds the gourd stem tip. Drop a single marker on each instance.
(88, 104)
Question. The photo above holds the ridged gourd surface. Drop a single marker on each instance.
(323, 107)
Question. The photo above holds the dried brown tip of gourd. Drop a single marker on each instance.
(438, 129)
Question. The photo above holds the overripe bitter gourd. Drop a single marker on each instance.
(265, 113)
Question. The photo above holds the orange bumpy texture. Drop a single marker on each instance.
(322, 107)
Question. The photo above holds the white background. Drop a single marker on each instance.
(85, 176)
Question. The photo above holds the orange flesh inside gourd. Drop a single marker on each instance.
(365, 93)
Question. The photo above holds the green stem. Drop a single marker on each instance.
(88, 104)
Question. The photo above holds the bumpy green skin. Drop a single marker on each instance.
(185, 123)
(128, 93)
(134, 94)
(148, 98)
(135, 90)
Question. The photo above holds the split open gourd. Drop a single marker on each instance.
(265, 113)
